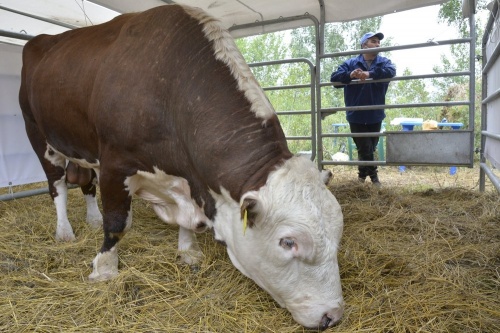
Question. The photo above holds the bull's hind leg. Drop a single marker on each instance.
(53, 165)
(117, 219)
(64, 231)
(87, 180)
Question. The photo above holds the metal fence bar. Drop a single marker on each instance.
(29, 193)
(378, 163)
(311, 86)
(494, 179)
(491, 61)
(324, 112)
(398, 78)
(354, 135)
(40, 18)
(16, 35)
(394, 106)
(491, 135)
(399, 47)
(491, 97)
(23, 194)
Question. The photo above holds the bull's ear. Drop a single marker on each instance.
(326, 176)
(248, 209)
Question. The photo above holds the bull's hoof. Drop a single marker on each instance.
(105, 266)
(95, 221)
(94, 216)
(190, 257)
(202, 226)
(65, 236)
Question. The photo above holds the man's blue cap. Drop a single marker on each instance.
(369, 35)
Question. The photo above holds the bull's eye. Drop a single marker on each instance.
(287, 243)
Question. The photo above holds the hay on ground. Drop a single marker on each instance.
(422, 254)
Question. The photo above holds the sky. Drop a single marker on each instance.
(416, 26)
(419, 26)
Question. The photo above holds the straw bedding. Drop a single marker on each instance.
(422, 254)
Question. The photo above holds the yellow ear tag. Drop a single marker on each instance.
(245, 221)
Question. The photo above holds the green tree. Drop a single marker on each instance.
(273, 46)
(300, 43)
(451, 13)
(261, 48)
(457, 88)
(407, 92)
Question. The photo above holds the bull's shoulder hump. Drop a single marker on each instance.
(225, 50)
(40, 43)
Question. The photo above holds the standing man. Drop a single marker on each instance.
(365, 66)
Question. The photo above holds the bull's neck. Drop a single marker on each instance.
(258, 176)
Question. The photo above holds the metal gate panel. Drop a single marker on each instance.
(429, 147)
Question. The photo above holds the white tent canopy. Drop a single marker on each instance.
(80, 13)
(24, 18)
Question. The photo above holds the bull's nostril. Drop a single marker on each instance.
(325, 322)
(201, 226)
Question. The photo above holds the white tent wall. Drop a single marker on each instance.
(490, 109)
(492, 146)
(18, 163)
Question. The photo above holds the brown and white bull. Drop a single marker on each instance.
(161, 104)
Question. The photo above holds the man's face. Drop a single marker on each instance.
(372, 42)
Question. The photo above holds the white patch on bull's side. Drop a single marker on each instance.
(56, 158)
(291, 250)
(228, 211)
(171, 197)
(64, 232)
(59, 159)
(104, 266)
(226, 51)
(94, 216)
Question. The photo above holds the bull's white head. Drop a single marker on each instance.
(287, 240)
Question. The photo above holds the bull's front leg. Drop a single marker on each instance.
(117, 220)
(59, 193)
(188, 249)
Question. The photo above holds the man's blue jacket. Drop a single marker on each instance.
(368, 93)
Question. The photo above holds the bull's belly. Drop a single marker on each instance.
(171, 198)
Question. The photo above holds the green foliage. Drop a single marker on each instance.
(456, 88)
(450, 12)
(339, 37)
(408, 92)
(261, 48)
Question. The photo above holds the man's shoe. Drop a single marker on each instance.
(376, 182)
(361, 179)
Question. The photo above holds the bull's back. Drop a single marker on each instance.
(83, 84)
(157, 79)
(57, 81)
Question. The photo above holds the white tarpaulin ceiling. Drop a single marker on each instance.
(78, 13)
